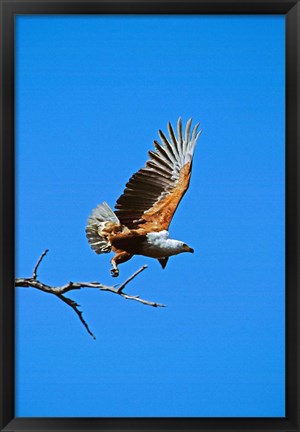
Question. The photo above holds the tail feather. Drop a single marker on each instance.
(101, 221)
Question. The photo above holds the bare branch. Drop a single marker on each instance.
(131, 297)
(59, 291)
(34, 274)
(75, 306)
(122, 286)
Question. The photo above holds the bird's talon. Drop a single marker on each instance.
(114, 272)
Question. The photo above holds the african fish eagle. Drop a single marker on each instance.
(144, 211)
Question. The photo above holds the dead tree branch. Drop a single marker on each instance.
(59, 291)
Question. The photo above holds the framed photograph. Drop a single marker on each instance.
(149, 215)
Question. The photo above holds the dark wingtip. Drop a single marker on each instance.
(163, 261)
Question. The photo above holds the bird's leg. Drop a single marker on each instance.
(114, 271)
(119, 258)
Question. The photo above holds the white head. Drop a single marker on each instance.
(160, 244)
(176, 247)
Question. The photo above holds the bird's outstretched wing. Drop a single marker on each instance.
(152, 194)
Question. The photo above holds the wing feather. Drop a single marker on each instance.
(152, 194)
(167, 146)
(155, 168)
(173, 139)
(187, 135)
(164, 152)
(179, 132)
(160, 161)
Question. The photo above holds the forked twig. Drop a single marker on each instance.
(59, 291)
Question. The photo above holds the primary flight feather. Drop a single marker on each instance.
(139, 225)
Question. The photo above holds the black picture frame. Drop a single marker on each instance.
(291, 10)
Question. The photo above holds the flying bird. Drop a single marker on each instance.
(140, 223)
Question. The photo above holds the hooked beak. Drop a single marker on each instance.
(189, 249)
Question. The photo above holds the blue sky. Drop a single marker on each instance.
(91, 94)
